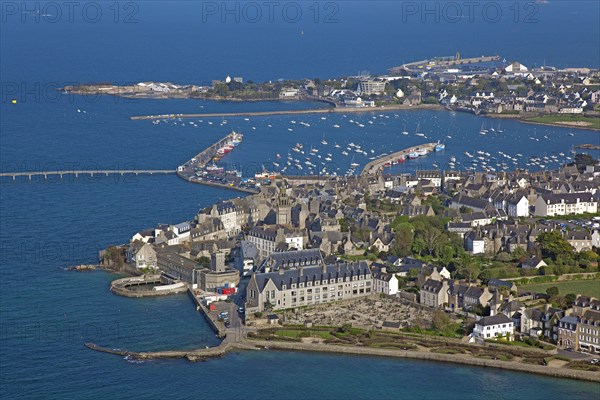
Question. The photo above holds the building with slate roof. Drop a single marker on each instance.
(493, 327)
(308, 285)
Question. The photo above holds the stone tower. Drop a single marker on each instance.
(217, 261)
(284, 209)
(303, 216)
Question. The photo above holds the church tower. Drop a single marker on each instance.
(284, 209)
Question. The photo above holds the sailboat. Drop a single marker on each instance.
(324, 142)
(483, 131)
(417, 133)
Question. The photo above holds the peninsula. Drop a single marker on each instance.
(483, 86)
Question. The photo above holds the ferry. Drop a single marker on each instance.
(440, 146)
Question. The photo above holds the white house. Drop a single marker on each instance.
(518, 207)
(493, 327)
(565, 204)
(385, 282)
(474, 243)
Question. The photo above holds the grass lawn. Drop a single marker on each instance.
(553, 119)
(590, 287)
(295, 333)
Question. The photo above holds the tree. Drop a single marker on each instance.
(404, 237)
(433, 238)
(419, 245)
(554, 245)
(447, 253)
(344, 225)
(570, 299)
(552, 291)
(440, 321)
(582, 160)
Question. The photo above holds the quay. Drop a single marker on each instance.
(105, 172)
(377, 164)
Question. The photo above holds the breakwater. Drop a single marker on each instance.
(337, 110)
(377, 164)
(225, 346)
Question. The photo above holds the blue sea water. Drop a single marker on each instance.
(47, 313)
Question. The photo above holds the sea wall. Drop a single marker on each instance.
(451, 358)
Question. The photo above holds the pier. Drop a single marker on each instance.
(376, 165)
(76, 173)
(195, 170)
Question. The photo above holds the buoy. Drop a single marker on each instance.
(14, 101)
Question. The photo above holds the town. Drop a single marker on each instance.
(483, 86)
(508, 257)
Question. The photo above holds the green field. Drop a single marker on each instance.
(590, 287)
(554, 119)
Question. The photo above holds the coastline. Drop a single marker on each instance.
(245, 344)
(586, 128)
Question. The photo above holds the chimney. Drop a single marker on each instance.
(301, 271)
(281, 271)
(383, 270)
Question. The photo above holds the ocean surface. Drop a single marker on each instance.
(47, 313)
